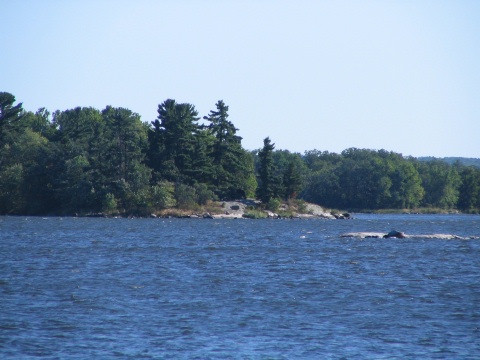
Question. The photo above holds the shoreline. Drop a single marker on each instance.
(252, 209)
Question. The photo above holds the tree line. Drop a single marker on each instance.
(85, 160)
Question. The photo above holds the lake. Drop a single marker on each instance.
(79, 288)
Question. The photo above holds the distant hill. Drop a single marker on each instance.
(451, 160)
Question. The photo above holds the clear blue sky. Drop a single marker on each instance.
(328, 75)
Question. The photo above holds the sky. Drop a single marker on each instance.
(403, 76)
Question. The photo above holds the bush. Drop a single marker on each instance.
(140, 203)
(274, 204)
(109, 205)
(255, 214)
(203, 194)
(185, 196)
(302, 207)
(163, 195)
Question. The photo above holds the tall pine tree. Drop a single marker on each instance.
(9, 118)
(230, 168)
(173, 141)
(268, 182)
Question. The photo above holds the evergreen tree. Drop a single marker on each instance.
(202, 170)
(173, 141)
(121, 162)
(292, 181)
(268, 183)
(80, 142)
(230, 171)
(10, 116)
(223, 130)
(125, 142)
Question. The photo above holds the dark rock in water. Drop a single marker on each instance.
(395, 234)
(343, 216)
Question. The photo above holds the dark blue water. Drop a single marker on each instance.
(238, 289)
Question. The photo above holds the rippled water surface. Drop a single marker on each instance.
(238, 289)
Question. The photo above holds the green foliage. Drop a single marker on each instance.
(39, 122)
(124, 142)
(250, 186)
(288, 173)
(83, 160)
(469, 191)
(269, 183)
(33, 153)
(441, 183)
(292, 181)
(163, 195)
(140, 202)
(274, 204)
(109, 205)
(299, 205)
(173, 141)
(203, 194)
(12, 200)
(232, 175)
(185, 196)
(190, 197)
(255, 214)
(10, 117)
(362, 179)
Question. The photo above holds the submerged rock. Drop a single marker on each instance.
(377, 235)
(363, 235)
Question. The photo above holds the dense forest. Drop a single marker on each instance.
(85, 160)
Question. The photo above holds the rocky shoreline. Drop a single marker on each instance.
(243, 209)
(239, 210)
